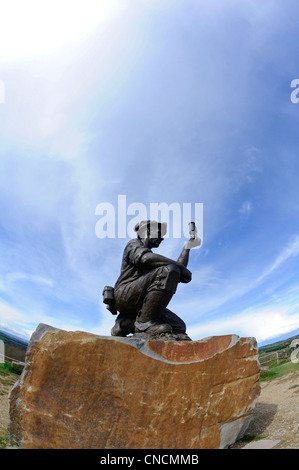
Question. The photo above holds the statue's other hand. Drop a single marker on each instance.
(193, 243)
(186, 275)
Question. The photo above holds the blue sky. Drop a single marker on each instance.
(161, 101)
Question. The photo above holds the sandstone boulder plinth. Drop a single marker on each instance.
(79, 390)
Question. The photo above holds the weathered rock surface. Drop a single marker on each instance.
(79, 390)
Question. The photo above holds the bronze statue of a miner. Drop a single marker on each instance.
(146, 284)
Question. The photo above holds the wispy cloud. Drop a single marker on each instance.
(263, 323)
(53, 14)
(18, 276)
(215, 293)
(246, 208)
(291, 250)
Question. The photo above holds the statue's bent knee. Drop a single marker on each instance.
(168, 278)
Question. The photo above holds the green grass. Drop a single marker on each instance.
(293, 386)
(4, 439)
(278, 370)
(6, 369)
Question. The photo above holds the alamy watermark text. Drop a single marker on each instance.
(119, 221)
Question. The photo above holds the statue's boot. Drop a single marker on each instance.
(123, 326)
(152, 328)
(148, 317)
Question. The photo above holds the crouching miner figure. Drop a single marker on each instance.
(146, 285)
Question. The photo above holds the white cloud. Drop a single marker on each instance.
(30, 31)
(70, 145)
(107, 322)
(261, 323)
(11, 315)
(246, 208)
(18, 276)
(25, 322)
(292, 249)
(224, 289)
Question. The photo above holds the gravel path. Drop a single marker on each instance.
(276, 414)
(6, 383)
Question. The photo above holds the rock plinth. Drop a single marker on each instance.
(79, 390)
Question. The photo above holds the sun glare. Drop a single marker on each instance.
(33, 27)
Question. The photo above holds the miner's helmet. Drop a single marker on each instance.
(151, 229)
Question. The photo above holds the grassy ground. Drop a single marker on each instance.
(278, 370)
(6, 369)
(4, 439)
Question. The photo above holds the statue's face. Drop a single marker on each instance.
(155, 242)
(152, 237)
(155, 238)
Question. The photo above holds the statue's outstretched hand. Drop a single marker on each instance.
(192, 243)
